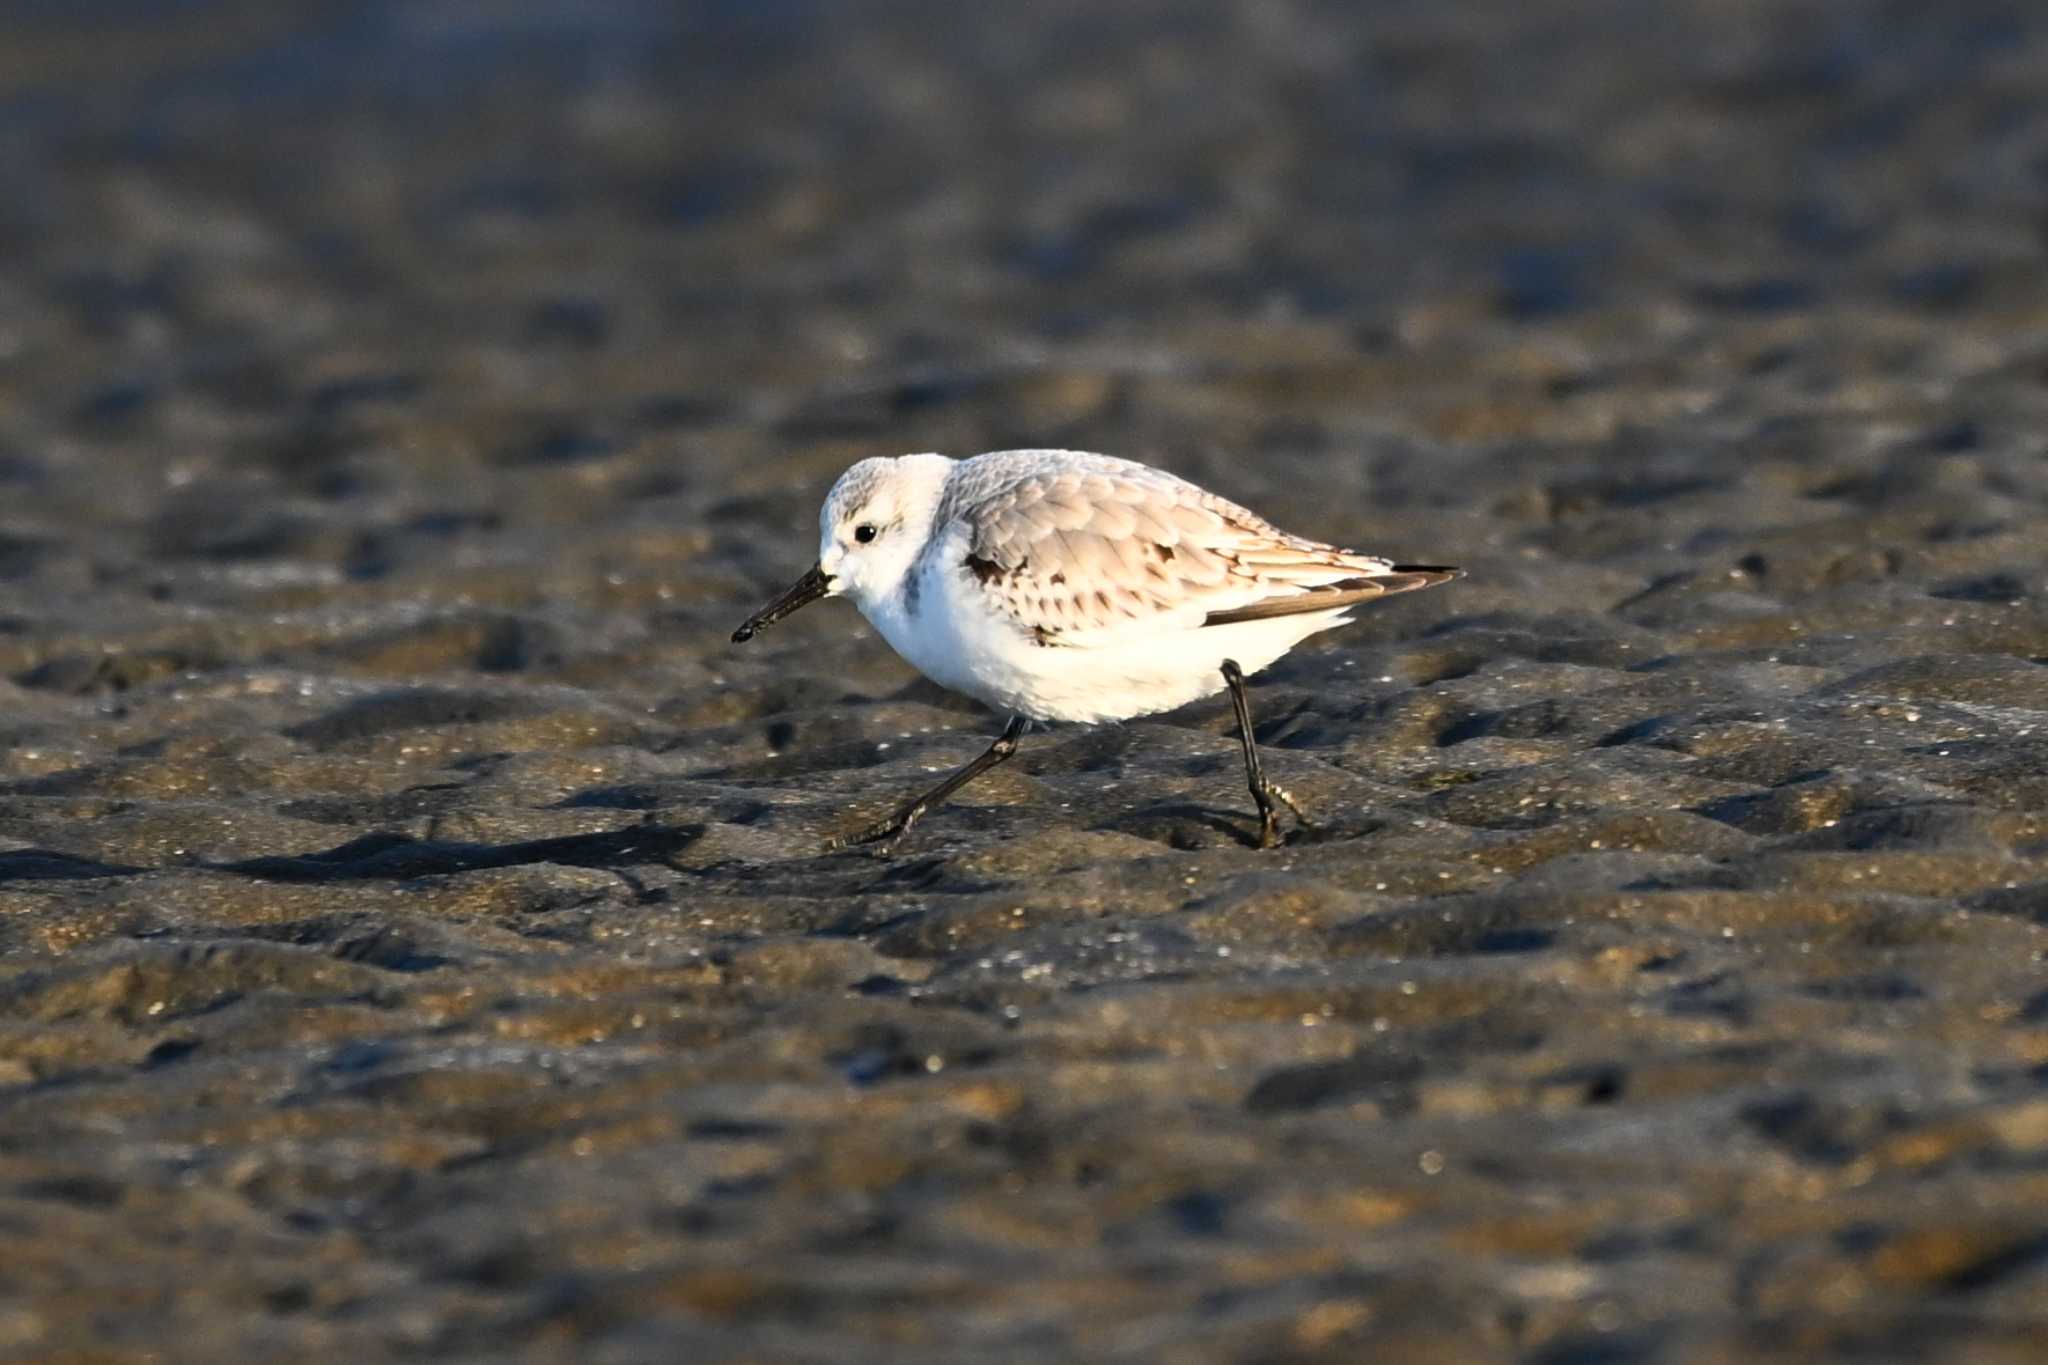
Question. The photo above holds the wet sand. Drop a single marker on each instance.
(414, 939)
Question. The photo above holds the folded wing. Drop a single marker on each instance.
(1085, 558)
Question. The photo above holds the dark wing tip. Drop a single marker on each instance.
(1349, 592)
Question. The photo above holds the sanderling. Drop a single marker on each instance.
(1061, 585)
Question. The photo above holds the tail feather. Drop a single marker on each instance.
(1346, 592)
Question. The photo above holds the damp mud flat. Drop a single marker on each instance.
(414, 937)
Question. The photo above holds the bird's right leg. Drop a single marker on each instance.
(887, 832)
(1263, 792)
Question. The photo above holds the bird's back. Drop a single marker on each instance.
(1071, 585)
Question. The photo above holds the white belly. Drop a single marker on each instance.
(953, 640)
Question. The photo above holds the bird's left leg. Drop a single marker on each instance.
(887, 832)
(1263, 792)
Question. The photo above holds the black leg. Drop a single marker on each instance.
(1263, 792)
(887, 832)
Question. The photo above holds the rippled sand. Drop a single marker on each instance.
(414, 940)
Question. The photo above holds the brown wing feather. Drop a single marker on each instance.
(1068, 554)
(1331, 596)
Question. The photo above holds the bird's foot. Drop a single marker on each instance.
(1269, 819)
(883, 834)
(1300, 816)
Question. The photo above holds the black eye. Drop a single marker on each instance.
(863, 533)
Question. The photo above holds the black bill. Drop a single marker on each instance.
(804, 591)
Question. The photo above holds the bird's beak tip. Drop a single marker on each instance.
(812, 586)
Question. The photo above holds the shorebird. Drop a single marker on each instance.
(1060, 585)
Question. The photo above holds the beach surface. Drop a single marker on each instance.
(415, 940)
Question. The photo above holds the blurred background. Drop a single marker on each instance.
(412, 939)
(329, 268)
